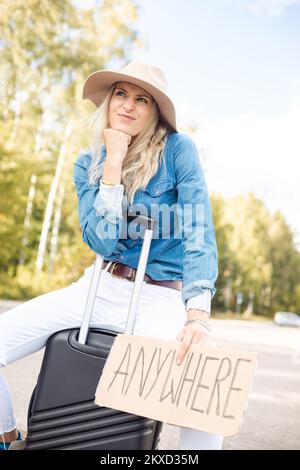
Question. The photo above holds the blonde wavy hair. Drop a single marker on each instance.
(144, 154)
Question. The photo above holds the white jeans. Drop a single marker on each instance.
(26, 328)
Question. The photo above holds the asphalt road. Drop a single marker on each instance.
(272, 420)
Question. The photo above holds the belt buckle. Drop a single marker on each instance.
(112, 270)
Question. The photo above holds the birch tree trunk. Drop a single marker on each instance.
(51, 199)
(31, 194)
(55, 230)
(16, 104)
(27, 219)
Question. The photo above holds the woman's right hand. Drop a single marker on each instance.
(116, 143)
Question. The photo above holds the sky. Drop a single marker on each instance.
(233, 69)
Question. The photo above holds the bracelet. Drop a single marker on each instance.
(108, 183)
(201, 322)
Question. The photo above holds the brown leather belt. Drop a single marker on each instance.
(123, 271)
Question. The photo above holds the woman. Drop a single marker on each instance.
(137, 162)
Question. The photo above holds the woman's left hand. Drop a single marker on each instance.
(192, 333)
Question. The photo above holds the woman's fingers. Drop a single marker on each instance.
(198, 338)
(187, 337)
(184, 346)
(180, 336)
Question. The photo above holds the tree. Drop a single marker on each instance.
(46, 50)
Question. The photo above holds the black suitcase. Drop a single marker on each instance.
(62, 413)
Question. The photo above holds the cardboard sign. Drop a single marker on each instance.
(209, 391)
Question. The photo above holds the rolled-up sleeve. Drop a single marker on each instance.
(100, 219)
(200, 302)
(108, 201)
(200, 265)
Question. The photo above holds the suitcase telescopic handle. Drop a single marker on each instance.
(149, 224)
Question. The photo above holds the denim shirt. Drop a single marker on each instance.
(183, 245)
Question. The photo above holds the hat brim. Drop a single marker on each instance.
(97, 85)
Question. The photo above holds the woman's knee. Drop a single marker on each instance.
(28, 324)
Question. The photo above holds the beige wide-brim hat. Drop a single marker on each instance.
(149, 77)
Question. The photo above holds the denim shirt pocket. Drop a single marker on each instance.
(158, 188)
(158, 195)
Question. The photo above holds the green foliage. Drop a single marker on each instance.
(47, 49)
(257, 257)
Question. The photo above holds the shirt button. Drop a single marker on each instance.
(122, 257)
(157, 191)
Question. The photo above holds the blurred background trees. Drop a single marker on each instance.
(259, 265)
(46, 50)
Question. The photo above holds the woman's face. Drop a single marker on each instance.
(129, 100)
